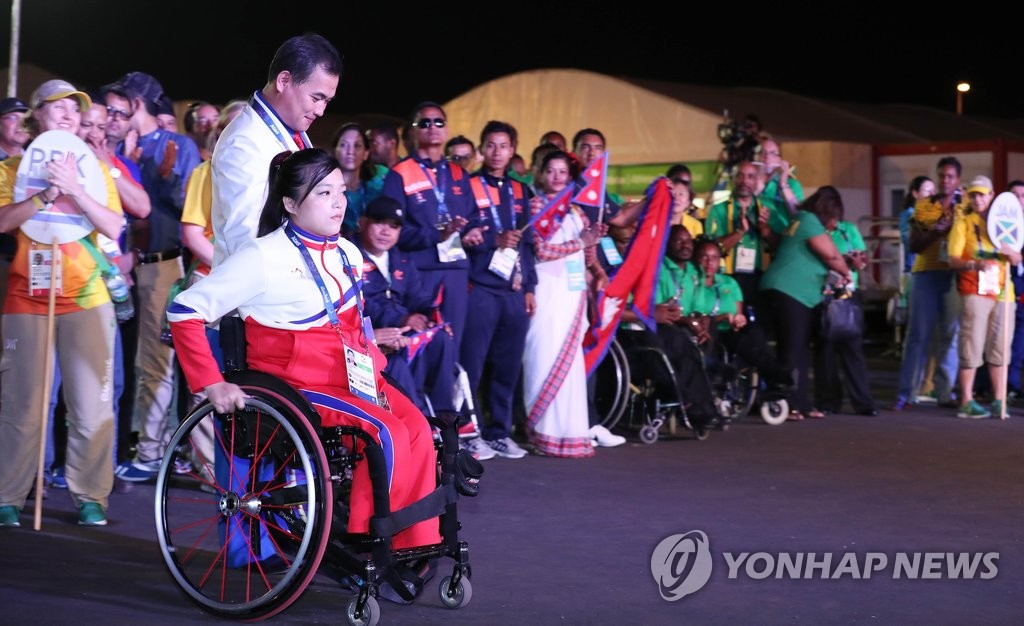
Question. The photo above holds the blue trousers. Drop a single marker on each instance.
(496, 338)
(930, 310)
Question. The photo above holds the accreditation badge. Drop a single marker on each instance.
(450, 250)
(40, 260)
(503, 262)
(361, 380)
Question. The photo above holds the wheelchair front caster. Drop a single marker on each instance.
(370, 615)
(700, 434)
(455, 597)
(648, 434)
(775, 412)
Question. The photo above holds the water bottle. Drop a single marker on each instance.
(118, 288)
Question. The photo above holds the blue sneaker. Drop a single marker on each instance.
(9, 515)
(91, 514)
(137, 471)
(57, 478)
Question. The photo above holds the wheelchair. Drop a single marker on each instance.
(638, 382)
(738, 388)
(271, 510)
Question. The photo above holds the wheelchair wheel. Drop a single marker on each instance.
(648, 434)
(244, 532)
(774, 412)
(612, 395)
(370, 615)
(457, 598)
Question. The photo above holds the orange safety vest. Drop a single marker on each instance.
(415, 179)
(482, 194)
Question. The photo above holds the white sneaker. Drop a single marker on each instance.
(601, 436)
(479, 448)
(507, 448)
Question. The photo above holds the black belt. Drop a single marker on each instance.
(156, 257)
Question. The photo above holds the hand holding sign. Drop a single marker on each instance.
(59, 159)
(63, 175)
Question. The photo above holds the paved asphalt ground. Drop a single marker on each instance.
(570, 542)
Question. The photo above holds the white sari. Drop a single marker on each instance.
(554, 372)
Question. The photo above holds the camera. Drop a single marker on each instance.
(739, 141)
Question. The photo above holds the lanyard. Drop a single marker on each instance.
(443, 217)
(494, 209)
(332, 315)
(260, 106)
(981, 250)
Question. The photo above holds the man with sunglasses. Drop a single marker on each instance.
(461, 150)
(436, 199)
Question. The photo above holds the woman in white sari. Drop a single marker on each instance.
(554, 373)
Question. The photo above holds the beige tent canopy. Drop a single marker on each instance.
(640, 125)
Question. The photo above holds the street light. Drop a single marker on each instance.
(961, 89)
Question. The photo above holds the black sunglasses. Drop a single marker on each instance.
(426, 122)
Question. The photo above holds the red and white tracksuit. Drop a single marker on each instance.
(288, 335)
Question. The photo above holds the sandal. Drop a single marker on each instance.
(795, 416)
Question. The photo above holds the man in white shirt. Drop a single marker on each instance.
(302, 80)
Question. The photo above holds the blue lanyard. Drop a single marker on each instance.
(443, 217)
(332, 315)
(494, 209)
(257, 103)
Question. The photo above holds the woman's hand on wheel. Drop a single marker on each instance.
(225, 396)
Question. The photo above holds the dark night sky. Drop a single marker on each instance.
(220, 50)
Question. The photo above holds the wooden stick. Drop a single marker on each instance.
(1005, 341)
(44, 413)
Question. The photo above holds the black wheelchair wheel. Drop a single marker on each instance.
(612, 394)
(244, 530)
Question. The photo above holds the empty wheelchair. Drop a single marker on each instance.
(244, 533)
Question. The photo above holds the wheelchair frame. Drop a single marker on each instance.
(650, 403)
(267, 519)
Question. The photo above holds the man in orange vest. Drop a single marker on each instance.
(436, 201)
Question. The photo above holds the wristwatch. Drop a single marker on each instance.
(115, 173)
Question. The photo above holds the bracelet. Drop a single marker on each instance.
(40, 203)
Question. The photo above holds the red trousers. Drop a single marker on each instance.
(313, 361)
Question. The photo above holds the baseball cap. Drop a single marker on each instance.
(56, 89)
(980, 184)
(10, 105)
(139, 85)
(384, 208)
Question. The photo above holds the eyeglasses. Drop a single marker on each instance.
(427, 122)
(684, 181)
(459, 158)
(118, 114)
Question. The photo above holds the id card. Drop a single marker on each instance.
(451, 250)
(611, 253)
(988, 281)
(745, 259)
(574, 266)
(361, 381)
(503, 261)
(40, 261)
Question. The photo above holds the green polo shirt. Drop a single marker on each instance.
(796, 271)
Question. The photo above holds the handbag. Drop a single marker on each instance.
(841, 319)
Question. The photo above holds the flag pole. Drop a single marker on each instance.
(44, 412)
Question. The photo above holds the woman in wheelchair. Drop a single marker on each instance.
(296, 286)
(718, 297)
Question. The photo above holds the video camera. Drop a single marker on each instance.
(740, 141)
